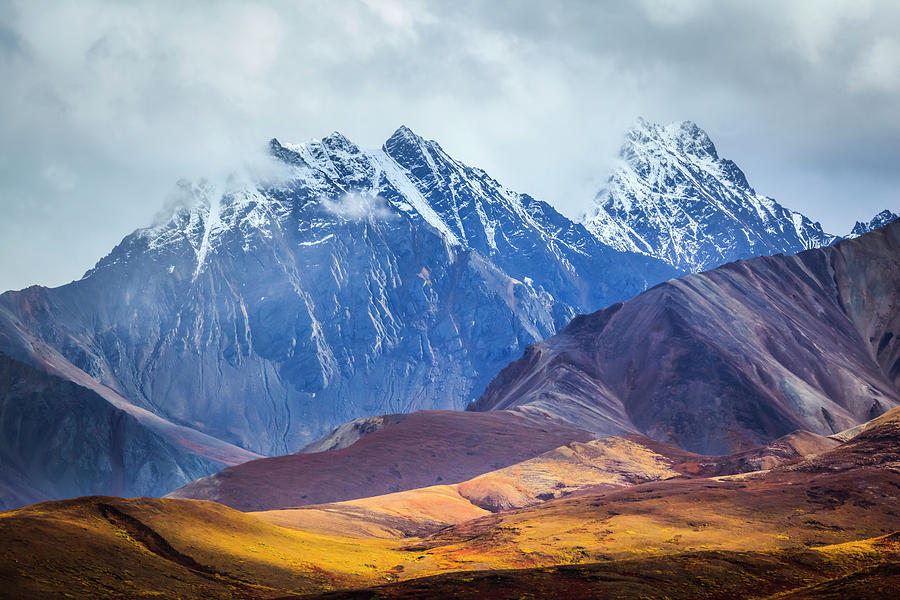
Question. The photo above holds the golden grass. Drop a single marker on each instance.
(200, 549)
(71, 545)
(389, 516)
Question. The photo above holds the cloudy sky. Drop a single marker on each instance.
(106, 104)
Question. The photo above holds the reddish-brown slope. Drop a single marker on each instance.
(721, 537)
(732, 358)
(877, 445)
(841, 495)
(409, 451)
(574, 469)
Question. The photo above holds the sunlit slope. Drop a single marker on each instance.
(408, 451)
(413, 512)
(103, 547)
(859, 570)
(844, 494)
(576, 468)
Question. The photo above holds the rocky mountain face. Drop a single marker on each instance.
(732, 358)
(359, 282)
(879, 220)
(60, 440)
(673, 197)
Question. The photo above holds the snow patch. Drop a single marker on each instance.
(356, 206)
(398, 178)
(317, 242)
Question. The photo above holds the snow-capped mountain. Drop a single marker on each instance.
(672, 197)
(879, 220)
(359, 283)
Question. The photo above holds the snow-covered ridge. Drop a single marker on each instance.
(673, 197)
(412, 177)
(879, 220)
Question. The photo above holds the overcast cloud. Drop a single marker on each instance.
(105, 105)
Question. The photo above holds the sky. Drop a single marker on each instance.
(106, 104)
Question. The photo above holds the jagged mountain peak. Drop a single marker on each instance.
(314, 294)
(410, 149)
(333, 143)
(338, 140)
(404, 133)
(686, 137)
(880, 220)
(673, 197)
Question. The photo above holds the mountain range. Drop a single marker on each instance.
(252, 319)
(879, 220)
(714, 363)
(636, 429)
(731, 358)
(361, 282)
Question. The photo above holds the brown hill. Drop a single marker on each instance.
(409, 451)
(732, 358)
(576, 468)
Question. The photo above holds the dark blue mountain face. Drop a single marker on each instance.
(672, 197)
(363, 282)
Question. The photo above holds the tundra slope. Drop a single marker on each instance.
(731, 358)
(807, 523)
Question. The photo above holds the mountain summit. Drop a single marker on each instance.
(879, 220)
(672, 197)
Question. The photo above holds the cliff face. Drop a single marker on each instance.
(60, 440)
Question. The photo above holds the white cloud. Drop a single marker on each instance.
(879, 67)
(358, 207)
(673, 12)
(60, 177)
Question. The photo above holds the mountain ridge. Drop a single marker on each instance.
(673, 197)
